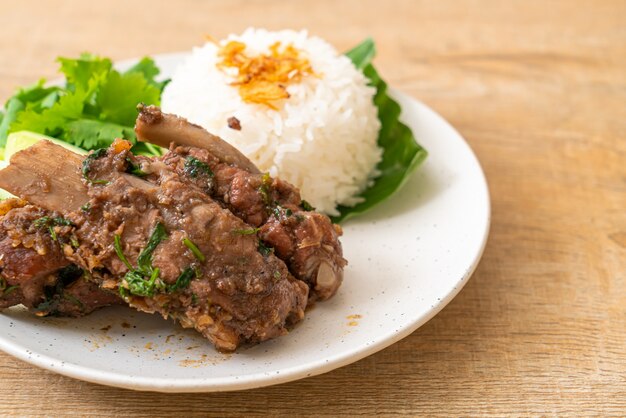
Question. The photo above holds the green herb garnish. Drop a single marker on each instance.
(144, 261)
(183, 279)
(250, 231)
(265, 188)
(401, 153)
(194, 167)
(54, 295)
(9, 289)
(194, 249)
(117, 244)
(4, 290)
(134, 169)
(86, 168)
(306, 206)
(139, 285)
(96, 105)
(50, 223)
(264, 249)
(280, 212)
(144, 280)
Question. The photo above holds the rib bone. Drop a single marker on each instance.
(161, 129)
(46, 175)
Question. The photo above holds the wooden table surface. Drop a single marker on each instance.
(537, 88)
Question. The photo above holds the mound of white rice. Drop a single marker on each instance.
(321, 139)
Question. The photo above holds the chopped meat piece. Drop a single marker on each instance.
(307, 241)
(34, 270)
(227, 288)
(225, 232)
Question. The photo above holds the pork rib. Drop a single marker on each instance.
(307, 241)
(161, 128)
(34, 271)
(229, 288)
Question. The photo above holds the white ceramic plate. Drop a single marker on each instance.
(407, 259)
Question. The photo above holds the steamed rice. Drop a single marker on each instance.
(322, 138)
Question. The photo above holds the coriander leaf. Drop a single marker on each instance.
(134, 169)
(145, 66)
(144, 280)
(51, 121)
(86, 165)
(117, 244)
(265, 189)
(195, 167)
(96, 105)
(183, 280)
(194, 249)
(118, 96)
(50, 223)
(145, 148)
(138, 285)
(401, 153)
(144, 262)
(264, 249)
(306, 206)
(78, 72)
(35, 97)
(94, 134)
(148, 68)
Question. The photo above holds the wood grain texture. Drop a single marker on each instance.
(538, 88)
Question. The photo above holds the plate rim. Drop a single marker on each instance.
(262, 379)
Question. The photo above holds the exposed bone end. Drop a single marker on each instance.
(49, 176)
(161, 129)
(149, 114)
(46, 175)
(328, 281)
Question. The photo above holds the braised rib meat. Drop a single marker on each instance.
(34, 271)
(164, 246)
(199, 235)
(307, 241)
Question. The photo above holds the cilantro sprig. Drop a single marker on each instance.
(194, 167)
(51, 222)
(96, 105)
(145, 280)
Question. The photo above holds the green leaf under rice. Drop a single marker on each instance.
(401, 153)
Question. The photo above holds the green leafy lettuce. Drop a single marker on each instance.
(401, 153)
(96, 105)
